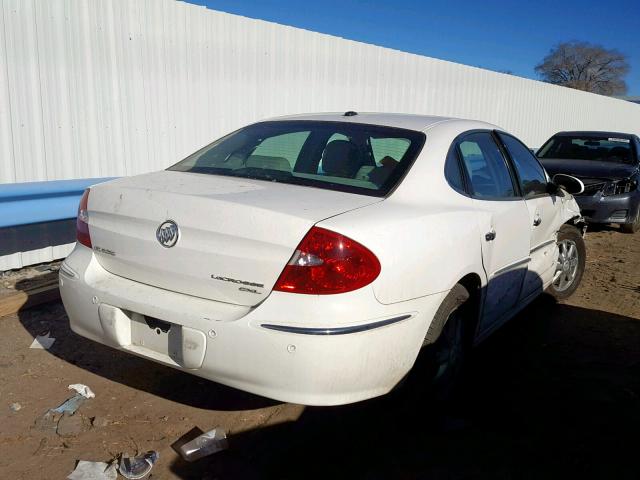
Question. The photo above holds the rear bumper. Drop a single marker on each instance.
(316, 350)
(609, 209)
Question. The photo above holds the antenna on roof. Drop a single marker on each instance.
(350, 113)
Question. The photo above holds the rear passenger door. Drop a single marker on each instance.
(544, 216)
(503, 221)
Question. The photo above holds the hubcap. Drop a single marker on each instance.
(566, 265)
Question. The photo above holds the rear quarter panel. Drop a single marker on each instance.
(422, 251)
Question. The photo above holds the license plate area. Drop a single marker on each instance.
(155, 335)
(165, 342)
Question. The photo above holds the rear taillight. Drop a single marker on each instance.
(325, 263)
(82, 223)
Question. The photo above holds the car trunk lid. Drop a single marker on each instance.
(235, 235)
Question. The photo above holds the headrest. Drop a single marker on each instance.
(341, 159)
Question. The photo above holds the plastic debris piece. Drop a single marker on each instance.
(208, 443)
(83, 390)
(138, 467)
(70, 405)
(94, 471)
(43, 342)
(15, 407)
(51, 418)
(46, 268)
(72, 425)
(48, 421)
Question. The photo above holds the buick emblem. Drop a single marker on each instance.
(168, 233)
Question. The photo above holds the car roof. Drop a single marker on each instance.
(594, 133)
(398, 120)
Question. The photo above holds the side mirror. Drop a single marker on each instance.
(570, 184)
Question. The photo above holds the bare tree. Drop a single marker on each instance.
(587, 67)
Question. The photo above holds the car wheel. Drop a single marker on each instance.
(632, 227)
(447, 355)
(570, 263)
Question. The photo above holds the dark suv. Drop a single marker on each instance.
(608, 163)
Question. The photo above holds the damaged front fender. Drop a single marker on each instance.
(570, 212)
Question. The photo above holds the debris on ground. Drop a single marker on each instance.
(94, 471)
(48, 421)
(43, 342)
(15, 407)
(83, 390)
(70, 405)
(203, 445)
(137, 467)
(47, 267)
(71, 426)
(16, 279)
(62, 420)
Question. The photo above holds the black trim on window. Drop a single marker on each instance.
(505, 151)
(508, 160)
(454, 157)
(465, 176)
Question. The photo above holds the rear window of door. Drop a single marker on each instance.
(531, 176)
(485, 167)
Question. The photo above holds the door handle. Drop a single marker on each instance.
(537, 221)
(490, 235)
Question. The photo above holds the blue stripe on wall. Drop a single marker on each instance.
(37, 202)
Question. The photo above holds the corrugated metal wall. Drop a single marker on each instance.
(96, 88)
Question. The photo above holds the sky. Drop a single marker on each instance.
(494, 34)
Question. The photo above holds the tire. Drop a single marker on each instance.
(447, 356)
(632, 227)
(571, 261)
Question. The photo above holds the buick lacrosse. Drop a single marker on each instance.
(310, 258)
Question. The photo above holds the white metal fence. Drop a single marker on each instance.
(95, 88)
(92, 88)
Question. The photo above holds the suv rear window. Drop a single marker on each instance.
(588, 147)
(351, 157)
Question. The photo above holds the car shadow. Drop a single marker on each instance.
(553, 394)
(130, 370)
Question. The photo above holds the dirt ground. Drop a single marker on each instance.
(554, 394)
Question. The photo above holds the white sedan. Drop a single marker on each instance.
(310, 258)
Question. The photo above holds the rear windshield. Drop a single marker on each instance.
(600, 148)
(349, 157)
